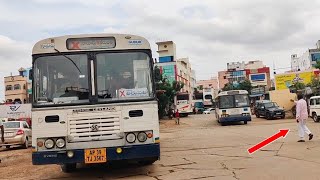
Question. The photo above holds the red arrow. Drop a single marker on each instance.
(283, 133)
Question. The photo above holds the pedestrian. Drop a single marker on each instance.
(177, 116)
(2, 131)
(301, 117)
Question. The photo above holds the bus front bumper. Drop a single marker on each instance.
(235, 119)
(134, 152)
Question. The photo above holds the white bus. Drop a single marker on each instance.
(233, 106)
(93, 100)
(207, 97)
(183, 103)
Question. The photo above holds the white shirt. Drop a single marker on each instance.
(302, 110)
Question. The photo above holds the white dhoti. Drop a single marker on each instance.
(302, 128)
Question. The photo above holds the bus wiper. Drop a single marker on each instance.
(68, 59)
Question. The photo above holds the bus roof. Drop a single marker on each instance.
(233, 92)
(116, 42)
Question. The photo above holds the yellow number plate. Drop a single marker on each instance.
(95, 156)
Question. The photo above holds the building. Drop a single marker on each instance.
(175, 69)
(222, 79)
(193, 78)
(18, 87)
(211, 83)
(255, 71)
(208, 87)
(307, 60)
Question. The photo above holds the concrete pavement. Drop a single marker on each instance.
(200, 148)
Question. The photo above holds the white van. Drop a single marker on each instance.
(315, 108)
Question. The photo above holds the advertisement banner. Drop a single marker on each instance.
(284, 81)
(168, 71)
(15, 111)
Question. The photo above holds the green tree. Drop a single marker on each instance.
(297, 87)
(244, 85)
(228, 87)
(315, 85)
(317, 65)
(165, 92)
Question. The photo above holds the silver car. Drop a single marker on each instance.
(16, 133)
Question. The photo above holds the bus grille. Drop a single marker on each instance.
(94, 128)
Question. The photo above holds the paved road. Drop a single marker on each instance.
(199, 148)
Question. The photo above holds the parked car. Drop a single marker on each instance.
(208, 111)
(269, 110)
(257, 103)
(198, 108)
(17, 133)
(315, 108)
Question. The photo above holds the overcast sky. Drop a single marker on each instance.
(209, 32)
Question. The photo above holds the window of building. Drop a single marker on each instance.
(17, 87)
(24, 86)
(8, 88)
(17, 101)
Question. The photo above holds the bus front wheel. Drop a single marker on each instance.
(68, 168)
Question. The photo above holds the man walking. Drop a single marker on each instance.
(2, 131)
(302, 116)
(177, 116)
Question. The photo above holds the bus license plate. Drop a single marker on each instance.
(95, 155)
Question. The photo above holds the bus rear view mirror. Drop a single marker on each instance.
(30, 74)
(157, 74)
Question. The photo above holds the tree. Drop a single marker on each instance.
(317, 65)
(228, 87)
(297, 87)
(165, 92)
(244, 85)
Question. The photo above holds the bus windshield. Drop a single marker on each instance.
(182, 97)
(226, 102)
(60, 79)
(242, 100)
(123, 76)
(234, 101)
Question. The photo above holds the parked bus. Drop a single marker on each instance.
(93, 100)
(233, 106)
(207, 97)
(197, 102)
(183, 103)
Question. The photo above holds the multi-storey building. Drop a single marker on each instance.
(18, 87)
(307, 60)
(175, 69)
(255, 71)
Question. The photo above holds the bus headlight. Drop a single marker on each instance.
(142, 137)
(49, 143)
(131, 137)
(60, 143)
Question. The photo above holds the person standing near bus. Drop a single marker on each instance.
(177, 116)
(2, 130)
(301, 117)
